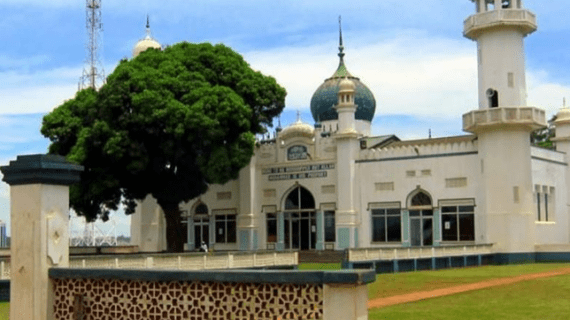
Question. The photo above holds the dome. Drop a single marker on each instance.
(563, 115)
(346, 85)
(326, 96)
(297, 129)
(144, 44)
(147, 42)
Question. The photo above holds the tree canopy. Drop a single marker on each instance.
(166, 123)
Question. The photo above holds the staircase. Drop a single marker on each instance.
(318, 256)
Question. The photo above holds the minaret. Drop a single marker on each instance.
(499, 27)
(347, 148)
(503, 122)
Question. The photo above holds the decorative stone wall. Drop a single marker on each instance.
(96, 299)
(106, 294)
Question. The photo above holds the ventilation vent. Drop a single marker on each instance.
(328, 189)
(456, 182)
(224, 195)
(269, 193)
(384, 186)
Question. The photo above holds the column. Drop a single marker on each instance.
(212, 231)
(406, 228)
(320, 245)
(436, 227)
(39, 216)
(280, 246)
(190, 230)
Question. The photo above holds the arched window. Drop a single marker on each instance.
(299, 198)
(421, 219)
(300, 220)
(420, 199)
(201, 209)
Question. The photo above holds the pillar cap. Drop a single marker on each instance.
(42, 169)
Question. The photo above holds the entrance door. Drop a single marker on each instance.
(300, 220)
(201, 231)
(300, 230)
(421, 227)
(421, 219)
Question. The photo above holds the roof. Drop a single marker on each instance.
(452, 139)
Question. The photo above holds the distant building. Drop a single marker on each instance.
(332, 185)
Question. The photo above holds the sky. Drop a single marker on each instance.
(411, 54)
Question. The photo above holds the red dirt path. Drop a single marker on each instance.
(422, 295)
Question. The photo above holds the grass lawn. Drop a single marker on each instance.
(4, 310)
(545, 298)
(400, 283)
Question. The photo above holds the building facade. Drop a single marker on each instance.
(332, 185)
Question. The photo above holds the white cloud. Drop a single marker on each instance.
(544, 93)
(408, 74)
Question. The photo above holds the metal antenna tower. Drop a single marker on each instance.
(93, 74)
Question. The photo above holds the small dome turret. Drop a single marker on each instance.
(564, 114)
(297, 129)
(147, 42)
(346, 85)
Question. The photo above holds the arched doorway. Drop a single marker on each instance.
(300, 220)
(201, 225)
(421, 219)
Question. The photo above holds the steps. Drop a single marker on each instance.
(314, 256)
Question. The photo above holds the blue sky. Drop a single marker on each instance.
(411, 54)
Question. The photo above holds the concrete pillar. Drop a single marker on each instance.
(345, 301)
(190, 232)
(247, 219)
(280, 246)
(39, 216)
(436, 228)
(562, 141)
(320, 245)
(406, 242)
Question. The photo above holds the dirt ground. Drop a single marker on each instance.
(422, 295)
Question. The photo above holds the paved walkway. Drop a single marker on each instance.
(422, 295)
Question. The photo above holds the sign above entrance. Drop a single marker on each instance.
(297, 153)
(298, 172)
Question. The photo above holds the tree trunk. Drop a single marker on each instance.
(174, 228)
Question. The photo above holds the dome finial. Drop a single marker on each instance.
(146, 42)
(147, 26)
(340, 46)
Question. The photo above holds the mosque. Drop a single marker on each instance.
(332, 185)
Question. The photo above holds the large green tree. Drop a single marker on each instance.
(166, 123)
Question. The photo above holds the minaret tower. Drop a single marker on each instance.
(502, 123)
(347, 148)
(499, 27)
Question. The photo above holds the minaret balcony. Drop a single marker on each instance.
(527, 118)
(519, 18)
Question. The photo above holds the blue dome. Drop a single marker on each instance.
(326, 97)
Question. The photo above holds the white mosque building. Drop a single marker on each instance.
(331, 185)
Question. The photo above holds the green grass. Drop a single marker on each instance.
(545, 298)
(4, 310)
(401, 283)
(319, 266)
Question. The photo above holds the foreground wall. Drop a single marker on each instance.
(108, 294)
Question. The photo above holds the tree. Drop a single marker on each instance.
(543, 137)
(166, 123)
